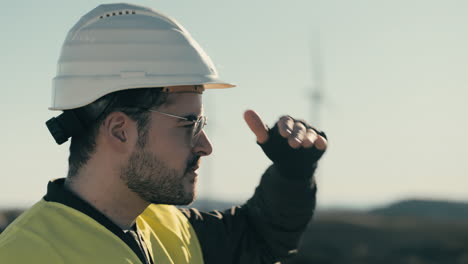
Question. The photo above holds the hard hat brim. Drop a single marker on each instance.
(88, 90)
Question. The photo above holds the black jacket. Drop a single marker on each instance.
(266, 229)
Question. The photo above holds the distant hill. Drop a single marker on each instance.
(406, 232)
(429, 209)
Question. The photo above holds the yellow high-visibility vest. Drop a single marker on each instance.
(52, 233)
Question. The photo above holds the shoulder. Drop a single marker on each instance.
(166, 215)
(171, 230)
(19, 243)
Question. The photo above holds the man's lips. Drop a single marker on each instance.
(194, 169)
(194, 165)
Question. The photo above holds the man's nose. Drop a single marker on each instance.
(202, 146)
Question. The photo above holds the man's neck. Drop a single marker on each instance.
(115, 201)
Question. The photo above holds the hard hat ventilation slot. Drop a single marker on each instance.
(119, 13)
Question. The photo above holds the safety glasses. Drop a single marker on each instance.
(198, 123)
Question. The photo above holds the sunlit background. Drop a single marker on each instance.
(392, 75)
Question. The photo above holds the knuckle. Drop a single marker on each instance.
(284, 131)
(294, 143)
(299, 128)
(321, 143)
(300, 125)
(286, 122)
(312, 131)
(309, 140)
(285, 128)
(307, 144)
(298, 133)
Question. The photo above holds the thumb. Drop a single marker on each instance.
(257, 126)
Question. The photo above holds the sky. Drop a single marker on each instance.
(393, 75)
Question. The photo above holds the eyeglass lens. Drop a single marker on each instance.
(198, 126)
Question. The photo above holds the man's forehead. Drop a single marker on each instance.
(184, 102)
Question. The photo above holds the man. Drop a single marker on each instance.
(130, 82)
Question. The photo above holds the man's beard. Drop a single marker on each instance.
(150, 178)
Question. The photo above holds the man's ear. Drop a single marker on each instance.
(118, 130)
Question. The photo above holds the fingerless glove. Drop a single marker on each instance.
(292, 163)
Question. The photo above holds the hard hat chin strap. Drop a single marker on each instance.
(65, 126)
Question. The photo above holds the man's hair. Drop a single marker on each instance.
(132, 102)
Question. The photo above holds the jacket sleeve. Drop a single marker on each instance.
(266, 229)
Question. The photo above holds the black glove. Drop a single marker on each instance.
(293, 163)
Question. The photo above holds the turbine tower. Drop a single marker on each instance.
(317, 92)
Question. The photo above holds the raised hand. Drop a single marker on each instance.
(293, 145)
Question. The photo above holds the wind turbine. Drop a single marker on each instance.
(317, 92)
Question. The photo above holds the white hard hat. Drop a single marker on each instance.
(122, 46)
